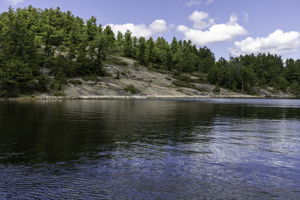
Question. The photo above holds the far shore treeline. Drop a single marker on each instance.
(41, 49)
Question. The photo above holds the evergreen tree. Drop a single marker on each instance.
(128, 45)
(143, 54)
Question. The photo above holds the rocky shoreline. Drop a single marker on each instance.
(128, 81)
(109, 97)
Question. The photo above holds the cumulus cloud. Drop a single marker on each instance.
(14, 2)
(278, 42)
(201, 20)
(158, 26)
(215, 33)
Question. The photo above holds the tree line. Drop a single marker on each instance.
(39, 49)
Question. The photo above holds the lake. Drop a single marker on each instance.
(150, 149)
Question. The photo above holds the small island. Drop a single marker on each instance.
(51, 54)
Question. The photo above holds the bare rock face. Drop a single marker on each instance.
(128, 79)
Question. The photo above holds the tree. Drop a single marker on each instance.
(143, 53)
(128, 45)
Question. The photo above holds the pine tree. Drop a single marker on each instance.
(128, 45)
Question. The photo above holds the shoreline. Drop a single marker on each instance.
(150, 97)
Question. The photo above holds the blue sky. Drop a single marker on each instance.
(228, 27)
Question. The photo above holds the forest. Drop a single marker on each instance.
(41, 49)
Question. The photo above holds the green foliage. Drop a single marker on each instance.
(128, 45)
(91, 78)
(217, 90)
(59, 93)
(118, 75)
(162, 71)
(56, 85)
(75, 82)
(295, 88)
(184, 78)
(182, 84)
(33, 40)
(143, 53)
(41, 49)
(131, 89)
(117, 61)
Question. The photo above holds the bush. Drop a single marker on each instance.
(56, 85)
(91, 78)
(159, 70)
(117, 61)
(75, 82)
(295, 88)
(136, 64)
(217, 90)
(131, 89)
(118, 75)
(59, 93)
(200, 89)
(182, 84)
(106, 74)
(183, 78)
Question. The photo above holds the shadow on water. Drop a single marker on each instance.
(227, 149)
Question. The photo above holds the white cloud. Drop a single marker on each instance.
(201, 20)
(158, 26)
(278, 42)
(216, 33)
(14, 2)
(182, 28)
(193, 3)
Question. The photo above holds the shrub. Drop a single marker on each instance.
(200, 89)
(91, 78)
(106, 74)
(117, 61)
(118, 75)
(217, 90)
(59, 93)
(131, 89)
(75, 82)
(182, 84)
(56, 85)
(183, 78)
(159, 70)
(294, 88)
(136, 64)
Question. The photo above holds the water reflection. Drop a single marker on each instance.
(151, 149)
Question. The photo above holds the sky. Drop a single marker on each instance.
(227, 27)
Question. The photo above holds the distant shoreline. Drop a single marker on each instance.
(158, 97)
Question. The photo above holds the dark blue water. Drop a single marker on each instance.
(118, 149)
